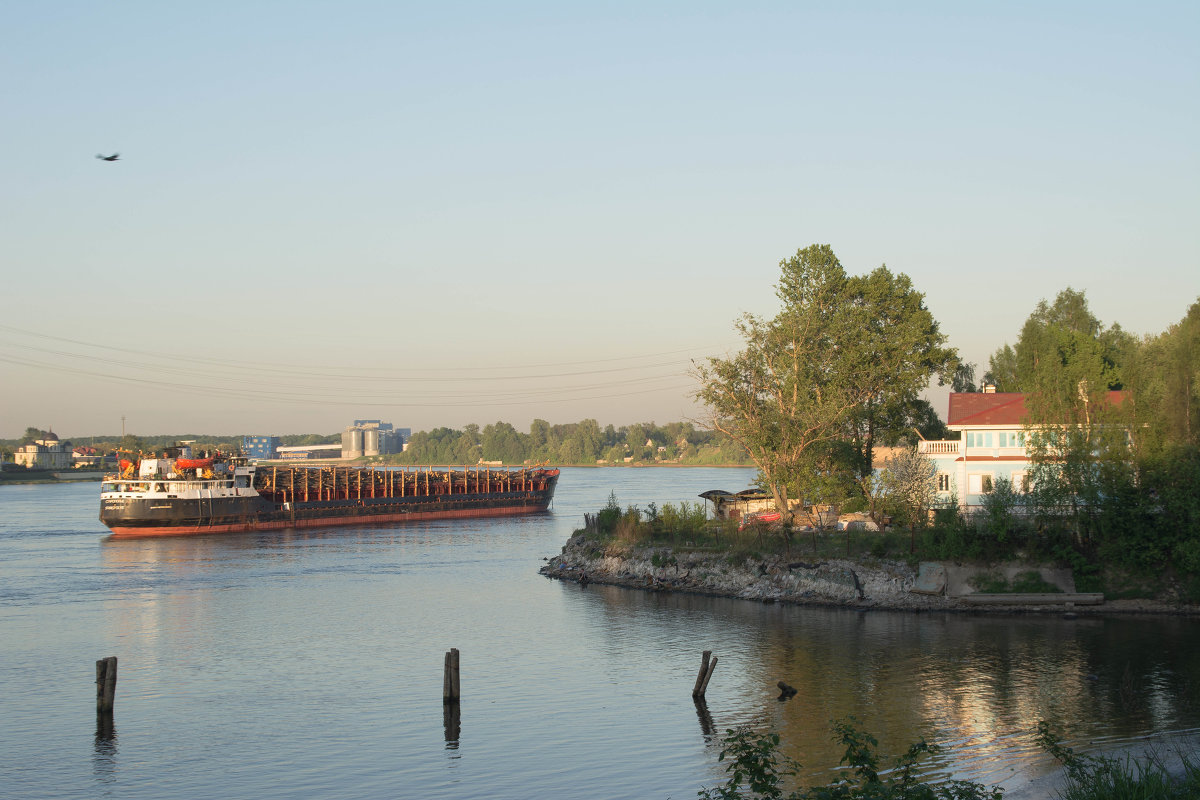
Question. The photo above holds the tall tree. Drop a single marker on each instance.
(1164, 376)
(1066, 363)
(905, 343)
(806, 375)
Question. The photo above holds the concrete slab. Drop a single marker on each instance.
(931, 579)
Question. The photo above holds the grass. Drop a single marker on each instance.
(1107, 778)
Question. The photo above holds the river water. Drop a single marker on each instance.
(309, 664)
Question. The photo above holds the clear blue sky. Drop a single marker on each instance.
(444, 213)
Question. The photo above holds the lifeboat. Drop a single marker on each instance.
(193, 463)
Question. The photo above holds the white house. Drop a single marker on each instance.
(992, 445)
(45, 453)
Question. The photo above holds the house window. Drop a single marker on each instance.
(943, 482)
(979, 483)
(1020, 481)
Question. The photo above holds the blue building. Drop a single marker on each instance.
(260, 447)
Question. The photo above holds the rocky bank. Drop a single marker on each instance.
(878, 584)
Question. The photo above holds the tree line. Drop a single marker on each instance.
(583, 442)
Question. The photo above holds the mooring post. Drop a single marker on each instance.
(106, 684)
(450, 692)
(707, 662)
(712, 666)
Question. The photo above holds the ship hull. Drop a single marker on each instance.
(134, 516)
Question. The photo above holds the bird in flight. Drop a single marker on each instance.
(113, 157)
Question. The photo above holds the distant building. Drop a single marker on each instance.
(88, 457)
(310, 451)
(372, 437)
(45, 453)
(260, 447)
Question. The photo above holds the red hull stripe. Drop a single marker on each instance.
(366, 519)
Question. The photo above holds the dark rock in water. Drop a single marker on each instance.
(785, 692)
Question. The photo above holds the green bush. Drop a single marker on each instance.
(758, 770)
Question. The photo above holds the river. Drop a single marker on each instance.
(309, 664)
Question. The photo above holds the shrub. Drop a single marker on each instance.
(758, 770)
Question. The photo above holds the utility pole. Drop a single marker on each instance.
(122, 426)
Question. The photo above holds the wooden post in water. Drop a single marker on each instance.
(708, 663)
(450, 692)
(703, 671)
(106, 684)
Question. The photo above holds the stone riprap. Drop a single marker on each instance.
(882, 584)
(878, 584)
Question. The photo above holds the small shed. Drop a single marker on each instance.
(731, 505)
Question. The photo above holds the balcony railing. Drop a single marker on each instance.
(949, 447)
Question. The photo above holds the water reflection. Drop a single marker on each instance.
(976, 683)
(452, 722)
(104, 749)
(707, 729)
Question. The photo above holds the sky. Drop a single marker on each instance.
(443, 213)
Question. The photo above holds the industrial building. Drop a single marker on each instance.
(371, 437)
(260, 448)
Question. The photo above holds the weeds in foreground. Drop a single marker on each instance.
(758, 771)
(1106, 778)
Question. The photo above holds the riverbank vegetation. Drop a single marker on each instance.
(759, 771)
(1112, 422)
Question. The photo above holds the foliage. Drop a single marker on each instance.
(804, 394)
(1164, 378)
(1027, 582)
(911, 481)
(999, 508)
(583, 442)
(1106, 778)
(758, 770)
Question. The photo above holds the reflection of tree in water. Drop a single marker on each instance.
(976, 683)
(104, 749)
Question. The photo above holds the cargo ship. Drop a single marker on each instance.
(177, 493)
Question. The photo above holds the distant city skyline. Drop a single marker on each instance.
(467, 213)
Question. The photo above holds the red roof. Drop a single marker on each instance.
(997, 408)
(976, 408)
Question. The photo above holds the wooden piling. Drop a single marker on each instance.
(450, 688)
(707, 665)
(106, 684)
(712, 667)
